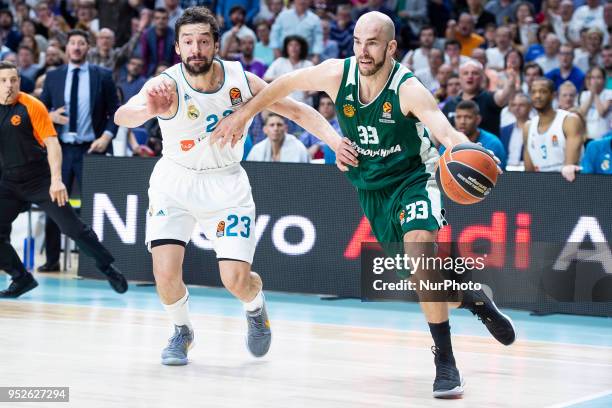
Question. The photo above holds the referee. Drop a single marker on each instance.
(31, 161)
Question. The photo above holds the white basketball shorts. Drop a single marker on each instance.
(219, 200)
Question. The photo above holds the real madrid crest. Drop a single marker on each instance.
(349, 110)
(192, 111)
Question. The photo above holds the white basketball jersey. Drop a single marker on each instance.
(186, 136)
(547, 150)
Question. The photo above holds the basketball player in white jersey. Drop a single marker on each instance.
(198, 182)
(553, 139)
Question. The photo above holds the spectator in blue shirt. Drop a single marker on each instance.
(300, 21)
(134, 81)
(315, 146)
(11, 36)
(330, 47)
(263, 51)
(467, 119)
(341, 30)
(224, 9)
(567, 71)
(598, 156)
(537, 49)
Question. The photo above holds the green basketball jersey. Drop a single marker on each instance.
(392, 147)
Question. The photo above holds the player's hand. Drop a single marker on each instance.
(160, 97)
(346, 155)
(569, 172)
(229, 130)
(57, 116)
(499, 170)
(58, 192)
(100, 144)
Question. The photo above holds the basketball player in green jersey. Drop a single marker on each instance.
(383, 111)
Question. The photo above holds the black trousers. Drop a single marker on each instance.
(11, 264)
(15, 194)
(72, 167)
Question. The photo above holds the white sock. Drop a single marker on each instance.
(179, 311)
(256, 303)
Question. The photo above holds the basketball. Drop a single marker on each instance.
(466, 173)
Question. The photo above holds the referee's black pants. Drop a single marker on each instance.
(16, 193)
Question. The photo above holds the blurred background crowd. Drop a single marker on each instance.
(515, 42)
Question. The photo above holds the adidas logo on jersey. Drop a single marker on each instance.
(349, 97)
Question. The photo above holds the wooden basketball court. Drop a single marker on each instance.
(106, 348)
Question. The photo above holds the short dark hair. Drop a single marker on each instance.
(544, 27)
(532, 64)
(237, 8)
(25, 47)
(468, 105)
(427, 27)
(452, 42)
(490, 25)
(7, 65)
(301, 41)
(272, 115)
(8, 13)
(197, 15)
(549, 83)
(160, 10)
(324, 95)
(78, 32)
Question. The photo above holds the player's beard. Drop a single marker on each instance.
(376, 66)
(198, 70)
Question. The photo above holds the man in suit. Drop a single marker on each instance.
(82, 100)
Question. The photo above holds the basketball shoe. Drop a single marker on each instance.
(178, 346)
(259, 335)
(482, 306)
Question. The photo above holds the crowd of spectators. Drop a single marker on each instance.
(477, 57)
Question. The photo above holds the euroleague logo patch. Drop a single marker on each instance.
(187, 145)
(220, 229)
(555, 141)
(235, 96)
(15, 120)
(386, 110)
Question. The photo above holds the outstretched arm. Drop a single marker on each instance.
(323, 77)
(156, 98)
(311, 120)
(416, 99)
